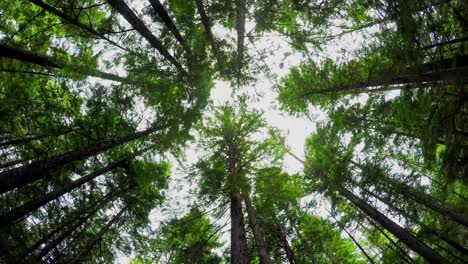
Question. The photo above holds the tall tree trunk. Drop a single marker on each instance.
(424, 227)
(240, 16)
(75, 22)
(239, 252)
(8, 51)
(409, 240)
(24, 210)
(342, 227)
(20, 141)
(42, 168)
(207, 25)
(90, 244)
(287, 248)
(422, 198)
(68, 231)
(68, 223)
(449, 71)
(258, 233)
(121, 7)
(162, 13)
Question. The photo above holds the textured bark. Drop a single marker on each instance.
(209, 34)
(287, 248)
(75, 22)
(409, 240)
(91, 243)
(43, 168)
(258, 233)
(239, 251)
(162, 13)
(8, 51)
(121, 7)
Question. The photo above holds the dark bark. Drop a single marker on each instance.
(448, 42)
(422, 198)
(207, 25)
(91, 243)
(425, 228)
(68, 223)
(75, 22)
(8, 51)
(43, 168)
(409, 240)
(121, 7)
(287, 248)
(162, 13)
(444, 71)
(258, 233)
(240, 16)
(239, 252)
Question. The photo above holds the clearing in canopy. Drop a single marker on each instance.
(234, 131)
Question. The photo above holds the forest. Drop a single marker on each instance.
(244, 131)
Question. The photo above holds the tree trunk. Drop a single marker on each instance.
(90, 244)
(162, 13)
(240, 8)
(353, 239)
(409, 240)
(11, 52)
(42, 168)
(424, 227)
(128, 14)
(207, 25)
(20, 141)
(66, 224)
(239, 252)
(75, 22)
(258, 233)
(24, 210)
(286, 247)
(449, 70)
(56, 241)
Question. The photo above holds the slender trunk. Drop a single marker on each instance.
(287, 248)
(423, 226)
(67, 224)
(121, 7)
(42, 168)
(75, 22)
(24, 210)
(90, 244)
(405, 81)
(258, 233)
(20, 141)
(56, 241)
(162, 13)
(240, 8)
(400, 250)
(448, 42)
(353, 239)
(409, 240)
(239, 253)
(12, 52)
(422, 198)
(207, 25)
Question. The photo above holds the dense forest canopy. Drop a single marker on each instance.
(215, 131)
